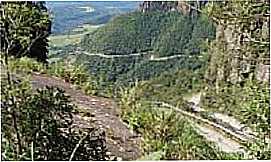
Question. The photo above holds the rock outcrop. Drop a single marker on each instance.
(187, 8)
(233, 38)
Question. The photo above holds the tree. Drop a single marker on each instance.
(25, 27)
(43, 129)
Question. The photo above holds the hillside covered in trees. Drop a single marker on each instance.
(162, 33)
(169, 81)
(153, 35)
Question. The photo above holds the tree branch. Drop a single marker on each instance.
(76, 147)
(33, 41)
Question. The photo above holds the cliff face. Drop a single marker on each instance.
(241, 49)
(157, 6)
(236, 63)
(187, 8)
(240, 60)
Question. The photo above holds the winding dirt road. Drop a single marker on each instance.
(151, 58)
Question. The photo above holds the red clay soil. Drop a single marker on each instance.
(102, 112)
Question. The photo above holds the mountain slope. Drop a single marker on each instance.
(163, 33)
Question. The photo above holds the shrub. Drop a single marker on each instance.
(250, 103)
(166, 134)
(39, 126)
(74, 74)
(26, 65)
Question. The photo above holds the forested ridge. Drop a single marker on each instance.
(169, 81)
(162, 33)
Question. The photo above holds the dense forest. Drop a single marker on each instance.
(163, 33)
(125, 71)
(168, 81)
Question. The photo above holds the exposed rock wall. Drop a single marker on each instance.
(186, 7)
(241, 65)
(240, 50)
(235, 64)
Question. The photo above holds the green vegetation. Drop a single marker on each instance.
(172, 87)
(71, 73)
(71, 38)
(176, 84)
(164, 33)
(122, 71)
(226, 74)
(64, 45)
(165, 134)
(36, 126)
(237, 90)
(25, 27)
(64, 40)
(142, 116)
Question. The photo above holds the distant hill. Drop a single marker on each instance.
(163, 33)
(68, 15)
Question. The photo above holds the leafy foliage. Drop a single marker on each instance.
(39, 126)
(150, 31)
(170, 87)
(163, 33)
(72, 73)
(123, 71)
(231, 85)
(25, 27)
(165, 134)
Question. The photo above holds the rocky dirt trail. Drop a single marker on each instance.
(102, 112)
(212, 131)
(224, 143)
(122, 142)
(233, 122)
